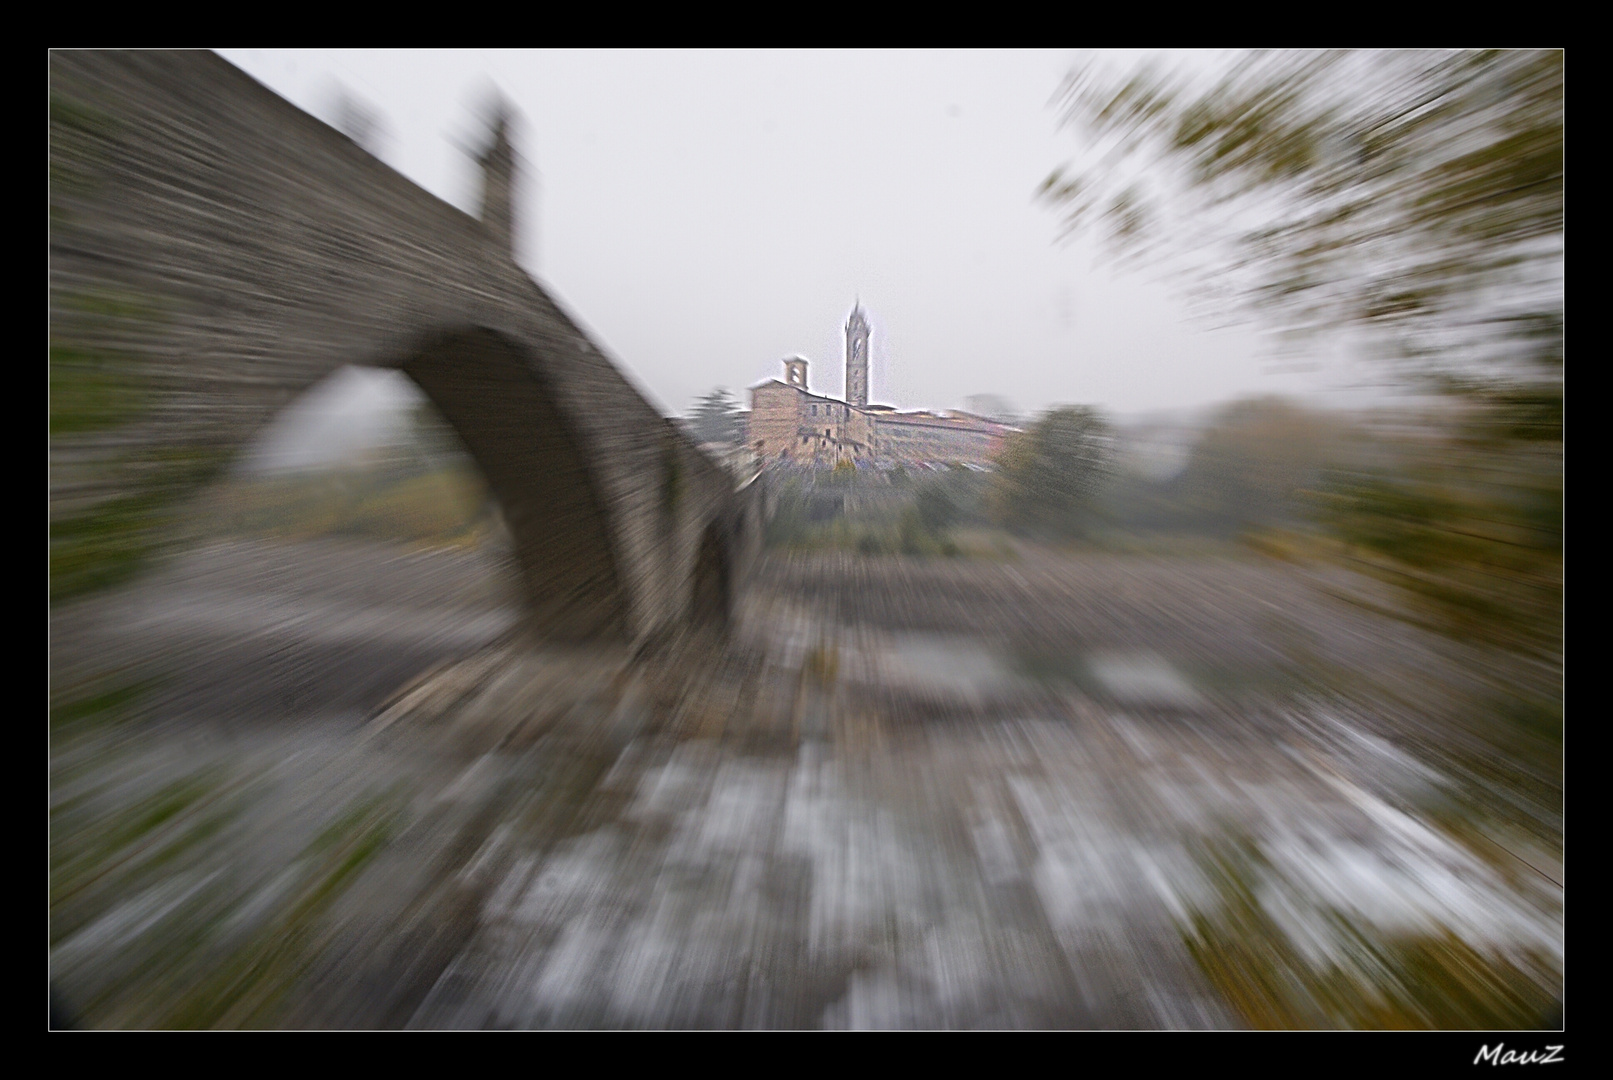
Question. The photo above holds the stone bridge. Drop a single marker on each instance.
(214, 251)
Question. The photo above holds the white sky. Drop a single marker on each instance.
(705, 214)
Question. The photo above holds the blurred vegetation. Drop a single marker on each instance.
(156, 923)
(1065, 480)
(82, 135)
(1247, 474)
(1468, 522)
(1409, 203)
(1044, 486)
(108, 542)
(1371, 981)
(1414, 197)
(377, 501)
(91, 391)
(422, 487)
(1049, 478)
(877, 512)
(716, 419)
(86, 708)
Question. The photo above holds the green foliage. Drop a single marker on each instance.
(96, 389)
(100, 378)
(248, 988)
(132, 849)
(225, 953)
(1250, 469)
(935, 508)
(868, 514)
(93, 550)
(1414, 196)
(98, 705)
(1413, 201)
(914, 538)
(1050, 477)
(1469, 527)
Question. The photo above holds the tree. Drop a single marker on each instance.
(1250, 469)
(716, 418)
(936, 508)
(1412, 198)
(1410, 201)
(1049, 478)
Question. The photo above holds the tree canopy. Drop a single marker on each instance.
(1049, 478)
(716, 418)
(1412, 199)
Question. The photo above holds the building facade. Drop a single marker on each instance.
(790, 424)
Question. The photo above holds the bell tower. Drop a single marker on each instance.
(795, 372)
(857, 357)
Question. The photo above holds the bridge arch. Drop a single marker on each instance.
(488, 388)
(235, 251)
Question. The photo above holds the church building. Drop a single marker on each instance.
(789, 423)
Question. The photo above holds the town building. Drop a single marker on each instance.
(790, 424)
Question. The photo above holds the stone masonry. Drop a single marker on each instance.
(242, 250)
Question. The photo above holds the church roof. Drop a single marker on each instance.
(797, 389)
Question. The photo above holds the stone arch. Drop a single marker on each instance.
(234, 251)
(533, 460)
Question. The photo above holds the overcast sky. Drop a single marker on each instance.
(705, 214)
